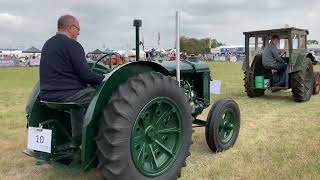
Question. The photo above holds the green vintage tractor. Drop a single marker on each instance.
(293, 44)
(138, 124)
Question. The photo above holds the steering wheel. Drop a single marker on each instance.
(107, 54)
(284, 54)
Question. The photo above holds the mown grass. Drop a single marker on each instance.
(279, 139)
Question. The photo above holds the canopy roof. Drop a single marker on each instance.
(108, 50)
(97, 51)
(277, 31)
(32, 50)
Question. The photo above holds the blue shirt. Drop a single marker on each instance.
(64, 69)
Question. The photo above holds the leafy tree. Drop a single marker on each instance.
(198, 46)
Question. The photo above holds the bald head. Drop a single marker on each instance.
(70, 25)
(65, 21)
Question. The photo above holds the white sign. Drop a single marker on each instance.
(39, 139)
(215, 86)
(35, 61)
(233, 58)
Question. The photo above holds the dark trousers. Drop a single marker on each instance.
(82, 97)
(282, 71)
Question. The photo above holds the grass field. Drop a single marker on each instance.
(279, 139)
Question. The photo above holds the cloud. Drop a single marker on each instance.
(11, 21)
(27, 23)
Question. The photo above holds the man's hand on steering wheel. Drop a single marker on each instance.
(283, 53)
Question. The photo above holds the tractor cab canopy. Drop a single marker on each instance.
(292, 41)
(281, 31)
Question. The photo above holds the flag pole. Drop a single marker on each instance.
(178, 46)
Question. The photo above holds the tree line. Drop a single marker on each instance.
(198, 46)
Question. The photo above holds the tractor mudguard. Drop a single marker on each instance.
(104, 91)
(33, 97)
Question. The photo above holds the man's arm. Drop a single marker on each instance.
(276, 55)
(81, 66)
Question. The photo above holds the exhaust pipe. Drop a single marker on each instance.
(137, 23)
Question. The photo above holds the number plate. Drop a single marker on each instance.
(215, 86)
(39, 139)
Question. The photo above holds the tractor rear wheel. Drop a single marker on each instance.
(302, 82)
(251, 92)
(223, 125)
(145, 130)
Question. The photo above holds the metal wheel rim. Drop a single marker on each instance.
(227, 125)
(156, 137)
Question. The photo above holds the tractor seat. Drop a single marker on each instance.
(62, 105)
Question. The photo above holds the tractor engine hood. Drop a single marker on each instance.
(185, 66)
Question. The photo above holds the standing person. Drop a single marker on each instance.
(65, 75)
(153, 54)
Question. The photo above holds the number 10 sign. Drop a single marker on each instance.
(39, 139)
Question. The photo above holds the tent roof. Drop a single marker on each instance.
(97, 51)
(108, 50)
(32, 50)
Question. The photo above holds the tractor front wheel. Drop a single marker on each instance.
(145, 130)
(223, 125)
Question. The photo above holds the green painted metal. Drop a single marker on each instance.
(156, 137)
(98, 67)
(116, 77)
(197, 88)
(38, 112)
(199, 107)
(227, 124)
(200, 66)
(171, 67)
(206, 89)
(33, 97)
(185, 67)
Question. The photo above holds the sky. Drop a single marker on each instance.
(109, 23)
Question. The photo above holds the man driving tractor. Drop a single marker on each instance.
(272, 60)
(65, 74)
